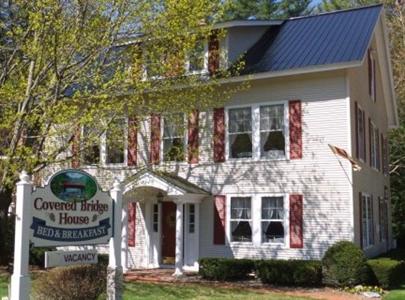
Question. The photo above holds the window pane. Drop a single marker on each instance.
(91, 148)
(173, 137)
(272, 117)
(115, 142)
(240, 145)
(240, 120)
(272, 208)
(196, 57)
(241, 231)
(272, 231)
(173, 149)
(240, 208)
(272, 144)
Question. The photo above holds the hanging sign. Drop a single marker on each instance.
(71, 210)
(67, 258)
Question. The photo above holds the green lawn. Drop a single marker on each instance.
(192, 291)
(3, 286)
(398, 294)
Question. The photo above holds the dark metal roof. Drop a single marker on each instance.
(324, 39)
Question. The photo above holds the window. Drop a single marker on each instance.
(272, 223)
(91, 145)
(383, 214)
(240, 132)
(374, 146)
(361, 134)
(259, 131)
(173, 140)
(191, 219)
(272, 137)
(197, 60)
(241, 219)
(115, 142)
(155, 218)
(367, 221)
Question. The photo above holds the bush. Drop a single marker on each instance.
(345, 264)
(290, 272)
(6, 239)
(85, 282)
(389, 273)
(37, 256)
(225, 268)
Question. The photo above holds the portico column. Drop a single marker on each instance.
(124, 236)
(179, 239)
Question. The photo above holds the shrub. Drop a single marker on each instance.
(389, 273)
(37, 256)
(345, 264)
(85, 282)
(225, 268)
(6, 239)
(290, 272)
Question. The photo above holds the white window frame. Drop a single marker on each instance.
(204, 70)
(103, 148)
(286, 219)
(365, 205)
(256, 151)
(185, 140)
(228, 219)
(256, 211)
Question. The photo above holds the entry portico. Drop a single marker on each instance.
(169, 210)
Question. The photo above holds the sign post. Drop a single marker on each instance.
(114, 271)
(20, 280)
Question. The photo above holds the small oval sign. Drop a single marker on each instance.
(73, 186)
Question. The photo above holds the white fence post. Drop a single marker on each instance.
(20, 280)
(114, 271)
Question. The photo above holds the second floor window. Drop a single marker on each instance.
(272, 140)
(197, 59)
(173, 139)
(91, 146)
(115, 142)
(361, 134)
(374, 146)
(240, 132)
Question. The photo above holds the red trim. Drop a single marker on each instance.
(132, 142)
(296, 221)
(213, 53)
(154, 157)
(193, 137)
(131, 224)
(295, 129)
(219, 135)
(219, 219)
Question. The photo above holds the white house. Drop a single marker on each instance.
(257, 178)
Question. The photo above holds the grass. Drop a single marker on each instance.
(151, 291)
(3, 285)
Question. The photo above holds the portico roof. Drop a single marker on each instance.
(171, 184)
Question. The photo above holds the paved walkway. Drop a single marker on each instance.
(165, 276)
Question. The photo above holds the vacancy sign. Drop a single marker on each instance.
(67, 258)
(71, 210)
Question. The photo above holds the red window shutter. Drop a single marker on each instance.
(154, 139)
(219, 135)
(296, 221)
(361, 219)
(364, 136)
(378, 151)
(193, 137)
(131, 223)
(219, 219)
(356, 126)
(369, 139)
(132, 142)
(76, 148)
(295, 121)
(213, 53)
(369, 62)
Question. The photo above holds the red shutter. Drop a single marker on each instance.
(356, 126)
(132, 142)
(131, 223)
(219, 135)
(193, 137)
(295, 129)
(369, 139)
(296, 221)
(378, 151)
(364, 136)
(361, 220)
(219, 219)
(154, 139)
(76, 148)
(369, 62)
(213, 53)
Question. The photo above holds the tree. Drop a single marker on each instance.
(266, 9)
(66, 64)
(330, 5)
